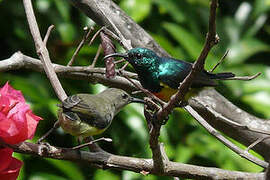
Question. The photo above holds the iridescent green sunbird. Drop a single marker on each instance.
(162, 75)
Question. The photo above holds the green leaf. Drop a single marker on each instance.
(137, 9)
(45, 176)
(256, 26)
(134, 120)
(70, 169)
(63, 9)
(170, 7)
(66, 31)
(242, 50)
(176, 52)
(101, 174)
(259, 101)
(185, 38)
(183, 153)
(242, 13)
(43, 5)
(261, 6)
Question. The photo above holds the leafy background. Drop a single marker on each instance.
(180, 28)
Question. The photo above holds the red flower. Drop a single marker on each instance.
(17, 122)
(9, 166)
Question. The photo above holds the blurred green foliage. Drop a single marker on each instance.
(180, 28)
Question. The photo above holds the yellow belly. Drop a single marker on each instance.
(166, 93)
(76, 127)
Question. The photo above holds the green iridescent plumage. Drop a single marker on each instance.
(156, 73)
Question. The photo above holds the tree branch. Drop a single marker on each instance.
(106, 160)
(225, 141)
(42, 50)
(140, 38)
(198, 66)
(206, 103)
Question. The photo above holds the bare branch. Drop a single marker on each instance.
(48, 34)
(109, 161)
(226, 142)
(257, 142)
(206, 103)
(220, 61)
(95, 36)
(245, 78)
(92, 142)
(42, 51)
(197, 67)
(96, 57)
(83, 41)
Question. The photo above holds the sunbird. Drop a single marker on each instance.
(162, 75)
(86, 115)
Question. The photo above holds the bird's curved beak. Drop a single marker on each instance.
(136, 100)
(123, 55)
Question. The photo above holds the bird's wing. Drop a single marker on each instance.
(93, 111)
(174, 71)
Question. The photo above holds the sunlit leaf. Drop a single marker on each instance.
(242, 50)
(45, 176)
(185, 38)
(66, 31)
(137, 9)
(71, 170)
(101, 174)
(170, 7)
(259, 101)
(63, 9)
(261, 6)
(243, 12)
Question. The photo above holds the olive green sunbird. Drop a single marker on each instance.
(87, 115)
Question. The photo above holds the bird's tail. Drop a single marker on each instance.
(222, 76)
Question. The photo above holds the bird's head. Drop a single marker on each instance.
(142, 59)
(119, 98)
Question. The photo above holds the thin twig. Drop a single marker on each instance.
(111, 34)
(257, 142)
(87, 32)
(136, 92)
(119, 61)
(211, 40)
(96, 57)
(95, 35)
(42, 51)
(123, 41)
(145, 91)
(55, 126)
(110, 161)
(123, 67)
(48, 34)
(91, 142)
(220, 61)
(225, 141)
(245, 78)
(231, 122)
(154, 132)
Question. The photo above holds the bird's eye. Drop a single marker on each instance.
(138, 55)
(124, 96)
